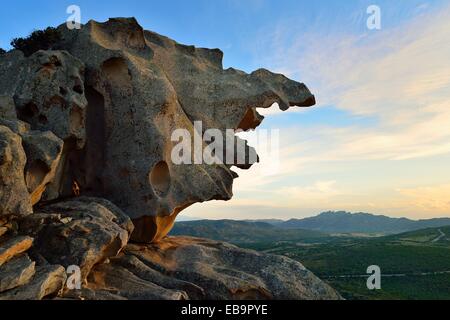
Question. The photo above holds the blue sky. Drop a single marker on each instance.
(226, 24)
(379, 138)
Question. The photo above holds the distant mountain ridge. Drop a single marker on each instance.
(346, 222)
(241, 231)
(318, 226)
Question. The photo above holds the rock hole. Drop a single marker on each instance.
(62, 91)
(160, 178)
(35, 174)
(42, 119)
(78, 89)
(28, 111)
(116, 69)
(76, 116)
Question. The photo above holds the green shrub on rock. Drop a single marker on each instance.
(37, 40)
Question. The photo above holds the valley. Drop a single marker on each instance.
(414, 264)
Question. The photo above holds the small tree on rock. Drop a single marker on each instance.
(37, 40)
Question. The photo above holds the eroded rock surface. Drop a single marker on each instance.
(47, 88)
(43, 151)
(13, 247)
(140, 87)
(14, 197)
(206, 269)
(16, 272)
(20, 277)
(48, 281)
(81, 232)
(86, 143)
(114, 95)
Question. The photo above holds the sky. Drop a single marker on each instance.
(378, 139)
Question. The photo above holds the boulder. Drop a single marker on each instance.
(143, 271)
(7, 108)
(131, 287)
(17, 272)
(141, 87)
(14, 247)
(14, 197)
(81, 232)
(43, 151)
(206, 269)
(48, 92)
(48, 281)
(115, 95)
(88, 136)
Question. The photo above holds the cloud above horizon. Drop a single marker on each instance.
(392, 159)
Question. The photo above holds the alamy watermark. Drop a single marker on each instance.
(374, 19)
(74, 20)
(74, 277)
(217, 147)
(374, 280)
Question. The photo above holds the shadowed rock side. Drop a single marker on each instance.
(85, 166)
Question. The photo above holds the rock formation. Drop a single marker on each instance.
(184, 267)
(85, 166)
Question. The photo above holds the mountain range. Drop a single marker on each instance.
(345, 222)
(324, 223)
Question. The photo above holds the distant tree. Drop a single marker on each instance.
(2, 51)
(37, 40)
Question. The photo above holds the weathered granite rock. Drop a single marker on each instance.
(7, 108)
(4, 227)
(43, 151)
(131, 287)
(48, 92)
(115, 96)
(140, 87)
(14, 247)
(17, 272)
(206, 269)
(8, 116)
(143, 271)
(14, 196)
(96, 119)
(82, 232)
(48, 281)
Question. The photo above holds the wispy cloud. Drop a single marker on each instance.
(401, 77)
(398, 77)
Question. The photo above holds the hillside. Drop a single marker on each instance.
(345, 222)
(414, 265)
(242, 231)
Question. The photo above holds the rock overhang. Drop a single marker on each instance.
(137, 88)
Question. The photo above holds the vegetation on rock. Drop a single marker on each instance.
(37, 40)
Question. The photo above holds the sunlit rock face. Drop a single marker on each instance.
(113, 96)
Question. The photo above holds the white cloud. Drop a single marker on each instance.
(400, 79)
